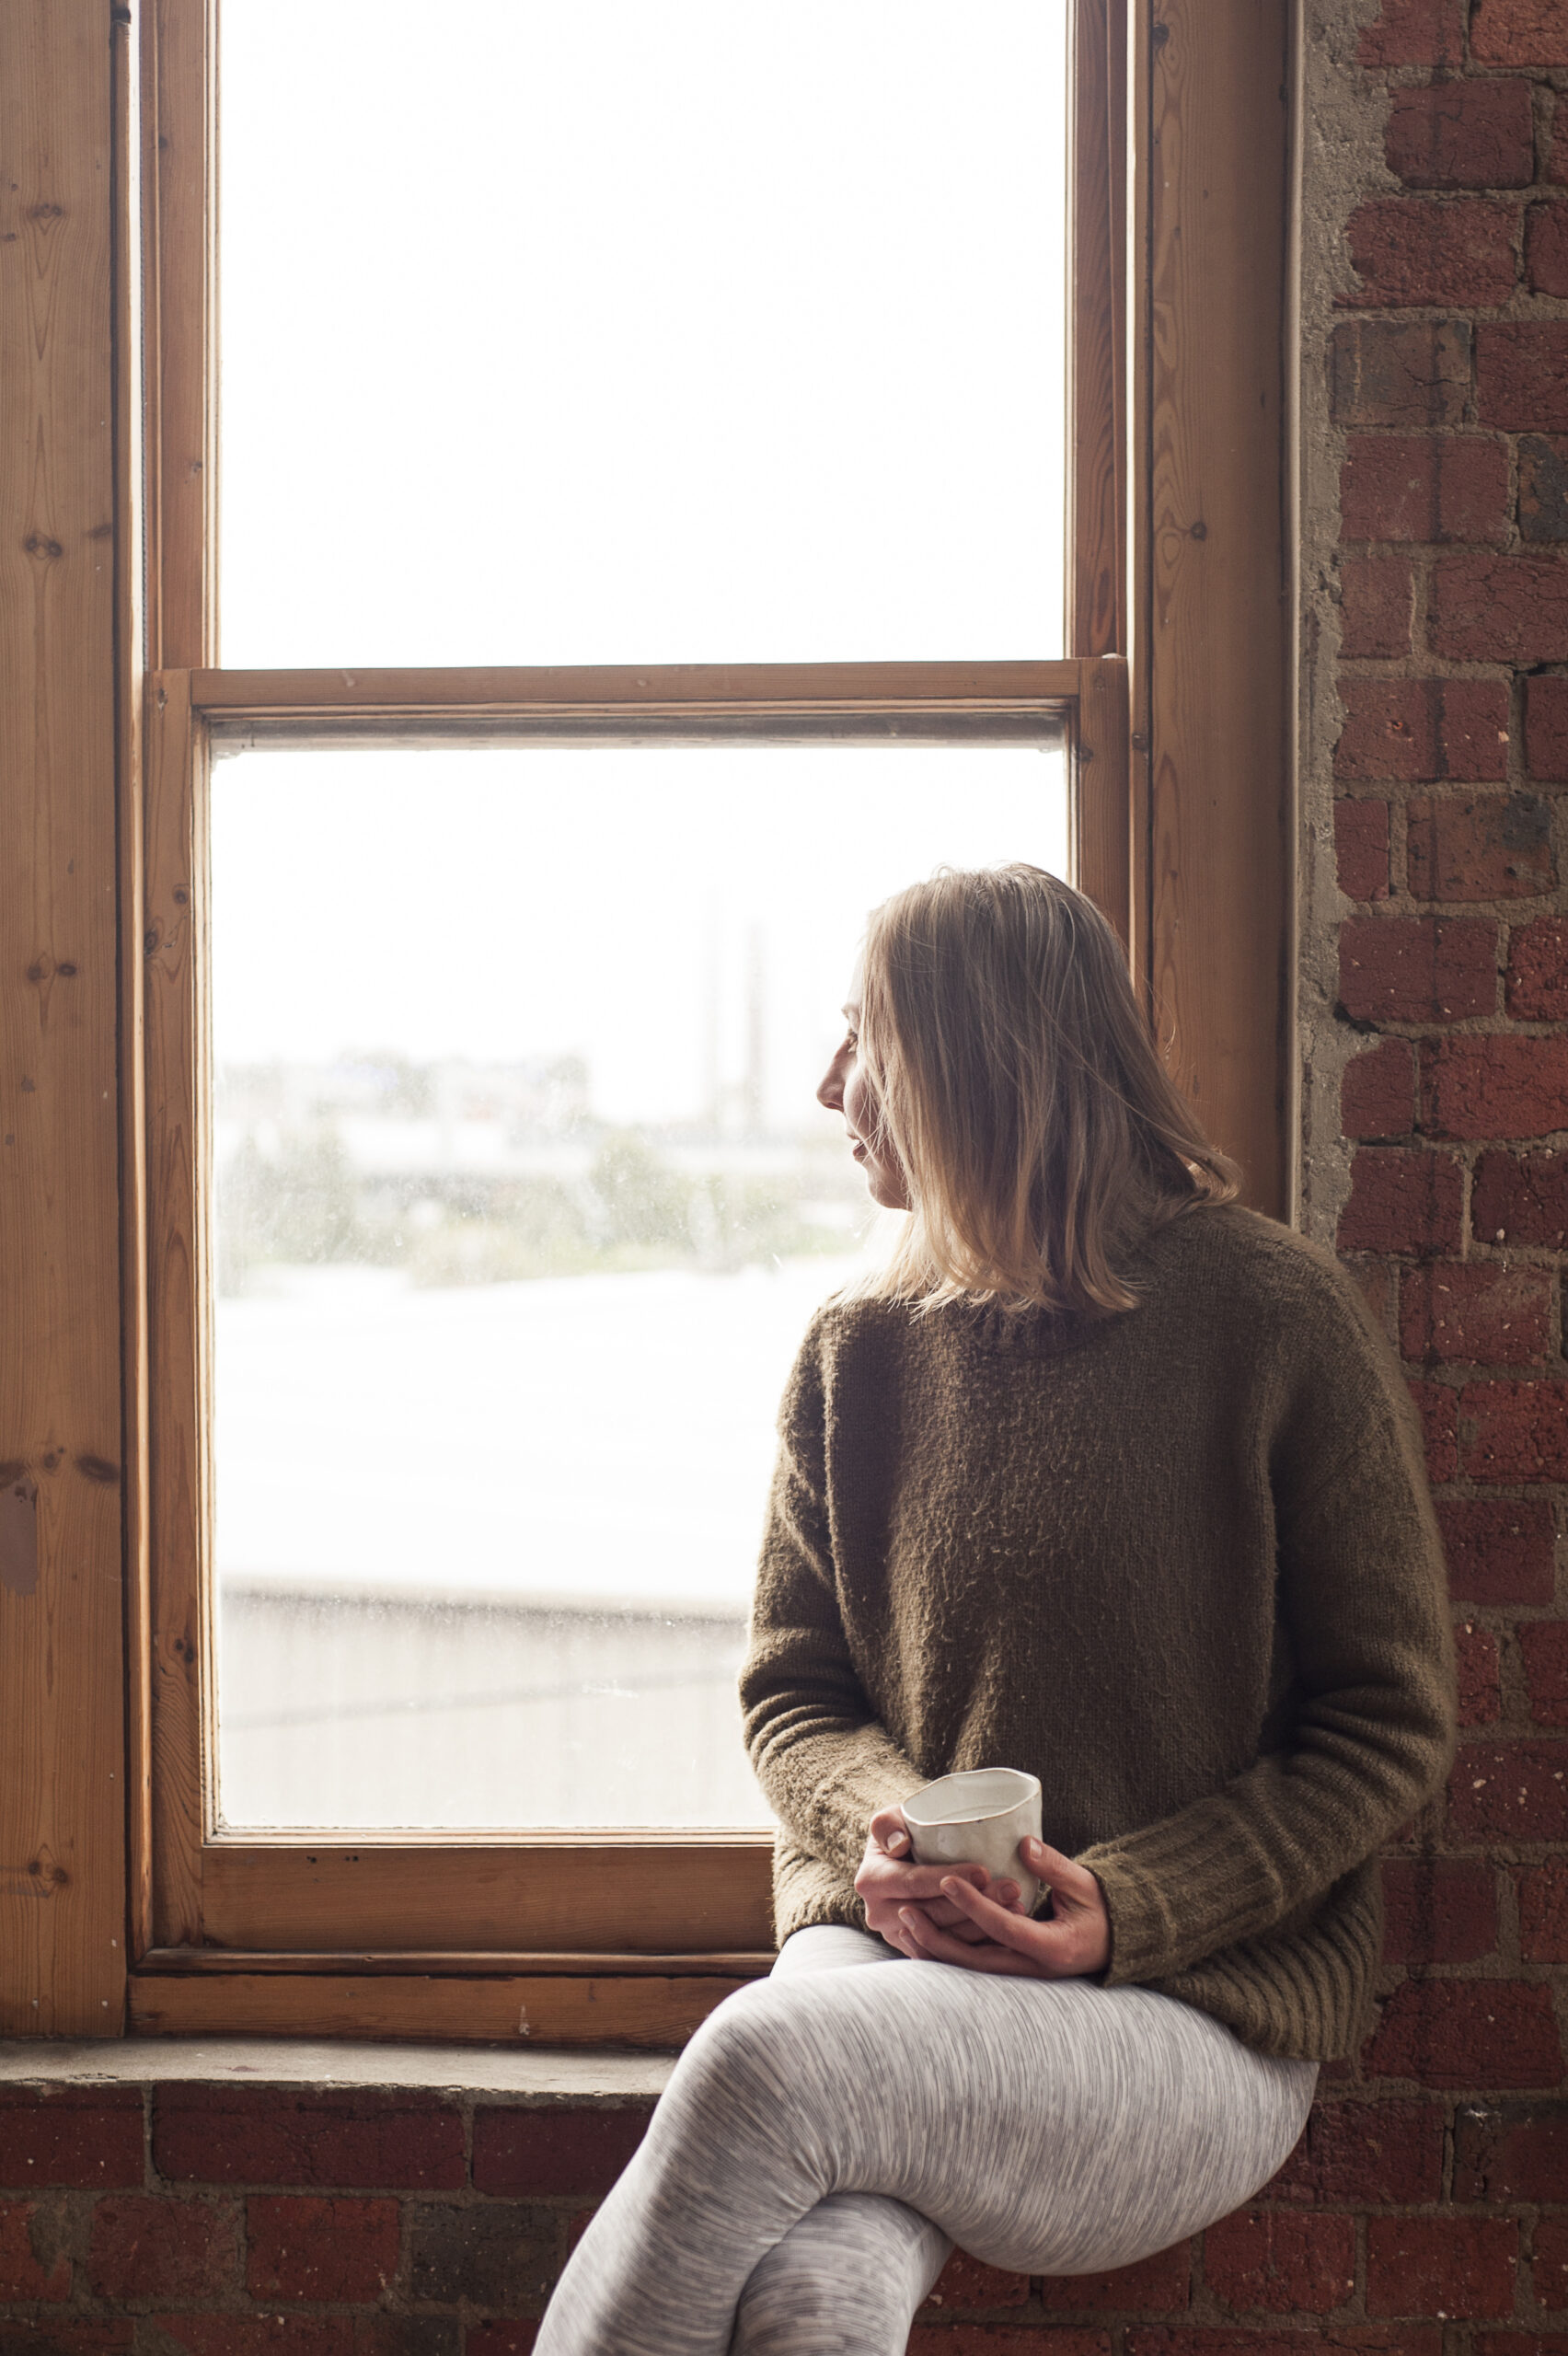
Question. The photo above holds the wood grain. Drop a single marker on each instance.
(1097, 386)
(1135, 463)
(129, 633)
(650, 1894)
(656, 2015)
(62, 1715)
(591, 690)
(1218, 611)
(1101, 806)
(888, 703)
(455, 1963)
(180, 1425)
(180, 82)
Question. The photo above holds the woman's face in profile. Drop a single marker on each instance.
(844, 1088)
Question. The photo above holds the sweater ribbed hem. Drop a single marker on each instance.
(1305, 1995)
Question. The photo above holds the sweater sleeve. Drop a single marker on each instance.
(1362, 1596)
(825, 1761)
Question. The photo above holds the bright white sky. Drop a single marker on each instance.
(591, 330)
(608, 332)
(503, 905)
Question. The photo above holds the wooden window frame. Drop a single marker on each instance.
(1175, 697)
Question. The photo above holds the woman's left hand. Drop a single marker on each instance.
(1075, 1942)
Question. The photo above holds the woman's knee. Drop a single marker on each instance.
(772, 2073)
(740, 2037)
(743, 2067)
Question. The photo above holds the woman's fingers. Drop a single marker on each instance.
(1055, 1950)
(1077, 1908)
(888, 1871)
(957, 1914)
(945, 1915)
(952, 1920)
(892, 1886)
(1072, 1883)
(1077, 1939)
(946, 1946)
(941, 1911)
(924, 1935)
(890, 1839)
(998, 1922)
(880, 1879)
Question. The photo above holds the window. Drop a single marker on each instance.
(1170, 647)
(522, 1203)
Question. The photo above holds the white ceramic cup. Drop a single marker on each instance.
(978, 1818)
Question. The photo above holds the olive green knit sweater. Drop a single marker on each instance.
(1180, 1564)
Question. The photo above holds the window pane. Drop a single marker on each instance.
(524, 1201)
(617, 333)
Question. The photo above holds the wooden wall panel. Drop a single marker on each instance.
(1214, 660)
(62, 1706)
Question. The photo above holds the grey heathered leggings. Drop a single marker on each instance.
(830, 2132)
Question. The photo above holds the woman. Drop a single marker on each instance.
(1105, 1479)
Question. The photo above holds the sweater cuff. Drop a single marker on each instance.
(830, 1817)
(884, 1783)
(1144, 1934)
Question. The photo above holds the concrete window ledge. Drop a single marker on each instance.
(579, 2077)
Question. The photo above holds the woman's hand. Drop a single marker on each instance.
(1075, 1942)
(890, 1883)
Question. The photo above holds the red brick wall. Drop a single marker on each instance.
(225, 2220)
(221, 2221)
(1445, 2147)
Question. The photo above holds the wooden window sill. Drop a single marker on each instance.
(648, 2003)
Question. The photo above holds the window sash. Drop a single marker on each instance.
(558, 1893)
(180, 135)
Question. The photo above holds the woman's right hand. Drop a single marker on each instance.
(889, 1880)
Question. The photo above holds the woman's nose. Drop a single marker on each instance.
(830, 1093)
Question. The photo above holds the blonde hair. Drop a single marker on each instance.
(1017, 1084)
